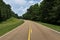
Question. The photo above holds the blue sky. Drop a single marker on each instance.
(21, 6)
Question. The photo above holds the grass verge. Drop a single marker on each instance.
(55, 27)
(9, 25)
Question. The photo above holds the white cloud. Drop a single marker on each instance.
(20, 6)
(20, 2)
(22, 10)
(31, 2)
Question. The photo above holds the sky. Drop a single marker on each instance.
(21, 6)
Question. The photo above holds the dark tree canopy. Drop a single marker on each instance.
(5, 11)
(48, 11)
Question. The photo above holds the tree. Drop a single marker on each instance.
(48, 11)
(5, 11)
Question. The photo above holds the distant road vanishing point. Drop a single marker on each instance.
(30, 30)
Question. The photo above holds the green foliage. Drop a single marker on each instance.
(48, 11)
(5, 11)
(32, 13)
(9, 24)
(55, 27)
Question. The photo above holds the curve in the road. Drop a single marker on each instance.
(31, 31)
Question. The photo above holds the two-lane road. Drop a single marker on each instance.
(31, 31)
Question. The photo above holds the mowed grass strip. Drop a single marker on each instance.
(55, 27)
(9, 25)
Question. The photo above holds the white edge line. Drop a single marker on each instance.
(50, 28)
(53, 30)
(9, 32)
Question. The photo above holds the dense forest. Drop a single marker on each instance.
(47, 11)
(6, 12)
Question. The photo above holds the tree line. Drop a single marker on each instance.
(47, 11)
(5, 11)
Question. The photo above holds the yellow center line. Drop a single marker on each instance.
(29, 33)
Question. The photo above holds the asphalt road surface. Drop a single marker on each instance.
(31, 31)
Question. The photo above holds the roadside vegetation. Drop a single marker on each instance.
(8, 19)
(55, 27)
(48, 12)
(9, 24)
(6, 11)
